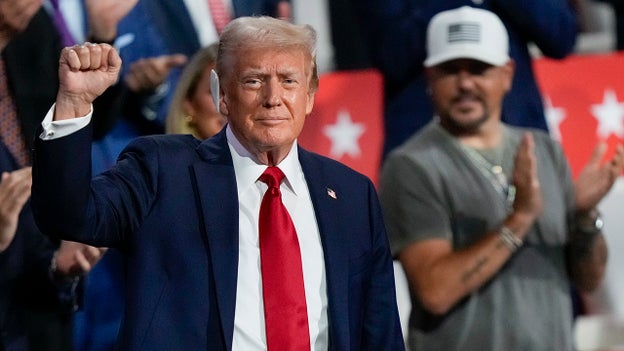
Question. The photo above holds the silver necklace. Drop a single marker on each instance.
(494, 174)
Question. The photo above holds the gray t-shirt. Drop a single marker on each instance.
(431, 188)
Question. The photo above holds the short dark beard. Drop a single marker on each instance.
(462, 129)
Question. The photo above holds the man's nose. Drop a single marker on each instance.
(272, 93)
(465, 78)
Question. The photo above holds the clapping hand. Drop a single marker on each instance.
(14, 192)
(528, 198)
(597, 177)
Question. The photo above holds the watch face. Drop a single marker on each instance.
(591, 225)
(599, 223)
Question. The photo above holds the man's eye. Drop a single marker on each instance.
(252, 82)
(479, 68)
(448, 69)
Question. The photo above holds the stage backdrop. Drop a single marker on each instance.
(346, 123)
(584, 102)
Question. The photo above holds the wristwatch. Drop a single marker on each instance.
(590, 222)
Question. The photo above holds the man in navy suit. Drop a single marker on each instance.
(185, 211)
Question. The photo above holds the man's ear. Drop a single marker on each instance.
(510, 68)
(310, 102)
(223, 108)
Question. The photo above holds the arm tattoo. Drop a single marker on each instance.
(474, 269)
(480, 263)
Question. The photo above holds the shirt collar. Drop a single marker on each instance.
(248, 169)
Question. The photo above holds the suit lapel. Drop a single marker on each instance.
(218, 199)
(327, 201)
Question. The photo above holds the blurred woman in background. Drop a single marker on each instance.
(192, 109)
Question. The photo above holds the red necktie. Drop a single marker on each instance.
(285, 310)
(220, 15)
(10, 129)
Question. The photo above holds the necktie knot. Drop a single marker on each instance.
(272, 176)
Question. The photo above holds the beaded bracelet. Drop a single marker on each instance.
(510, 239)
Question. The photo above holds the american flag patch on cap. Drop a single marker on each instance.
(462, 32)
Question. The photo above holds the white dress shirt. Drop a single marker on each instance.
(249, 329)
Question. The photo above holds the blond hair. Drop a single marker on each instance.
(245, 33)
(177, 119)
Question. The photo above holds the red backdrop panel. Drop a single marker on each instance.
(577, 88)
(346, 122)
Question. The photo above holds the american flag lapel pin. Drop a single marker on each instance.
(331, 193)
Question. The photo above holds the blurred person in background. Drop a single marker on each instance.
(38, 278)
(485, 218)
(396, 29)
(342, 45)
(192, 109)
(618, 13)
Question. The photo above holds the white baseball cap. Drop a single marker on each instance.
(467, 32)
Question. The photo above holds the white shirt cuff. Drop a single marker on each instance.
(58, 129)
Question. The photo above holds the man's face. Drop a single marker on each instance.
(266, 98)
(467, 93)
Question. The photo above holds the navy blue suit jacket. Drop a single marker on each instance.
(170, 204)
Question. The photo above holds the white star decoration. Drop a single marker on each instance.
(344, 136)
(554, 117)
(610, 116)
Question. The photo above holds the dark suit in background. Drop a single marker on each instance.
(24, 282)
(351, 49)
(31, 61)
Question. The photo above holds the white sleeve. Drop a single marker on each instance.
(58, 129)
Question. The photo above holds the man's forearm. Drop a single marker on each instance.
(587, 252)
